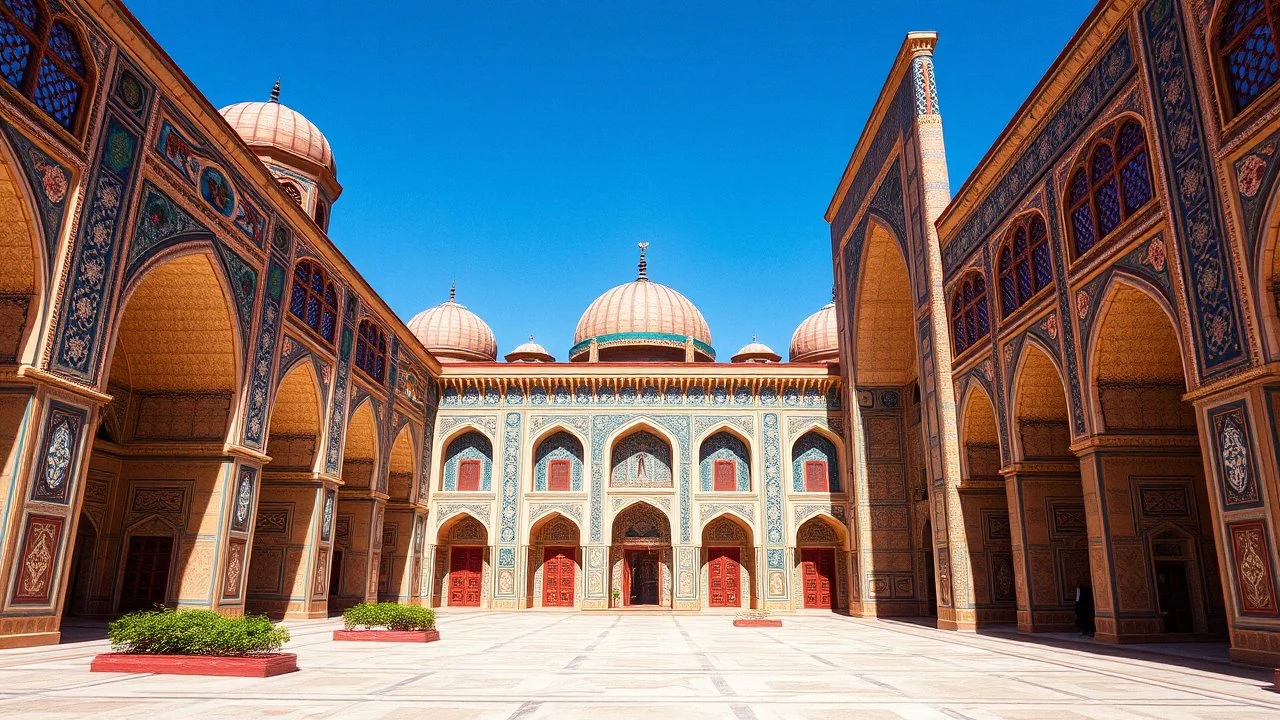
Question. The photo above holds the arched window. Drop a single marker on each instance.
(1024, 263)
(322, 215)
(42, 58)
(314, 300)
(371, 350)
(969, 320)
(1247, 49)
(291, 190)
(1112, 181)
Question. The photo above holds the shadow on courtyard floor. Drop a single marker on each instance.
(76, 630)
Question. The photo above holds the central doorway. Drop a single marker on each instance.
(557, 576)
(818, 566)
(465, 570)
(146, 572)
(724, 577)
(642, 577)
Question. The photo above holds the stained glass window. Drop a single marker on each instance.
(43, 60)
(1112, 182)
(371, 350)
(969, 319)
(314, 300)
(1247, 49)
(1024, 263)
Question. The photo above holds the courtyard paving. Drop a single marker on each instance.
(536, 665)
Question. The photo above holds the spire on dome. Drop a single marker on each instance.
(275, 92)
(644, 264)
(453, 291)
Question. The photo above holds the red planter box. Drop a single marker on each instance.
(388, 635)
(757, 623)
(248, 666)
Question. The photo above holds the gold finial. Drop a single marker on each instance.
(453, 291)
(275, 92)
(644, 264)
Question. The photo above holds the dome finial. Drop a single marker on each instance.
(275, 92)
(453, 290)
(753, 337)
(644, 264)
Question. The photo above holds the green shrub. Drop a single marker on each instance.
(392, 616)
(194, 632)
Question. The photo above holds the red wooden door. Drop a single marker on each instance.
(469, 472)
(559, 476)
(725, 476)
(146, 572)
(724, 576)
(819, 567)
(815, 476)
(557, 577)
(465, 571)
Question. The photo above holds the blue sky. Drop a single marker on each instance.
(522, 148)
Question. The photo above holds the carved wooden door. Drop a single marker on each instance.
(465, 572)
(724, 576)
(146, 572)
(818, 566)
(557, 577)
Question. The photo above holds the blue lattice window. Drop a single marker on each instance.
(1024, 263)
(314, 300)
(1111, 182)
(42, 57)
(815, 466)
(371, 350)
(724, 464)
(969, 319)
(1247, 49)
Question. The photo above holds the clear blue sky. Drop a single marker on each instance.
(522, 148)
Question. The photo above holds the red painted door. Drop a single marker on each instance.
(815, 476)
(465, 570)
(724, 576)
(818, 567)
(146, 572)
(557, 577)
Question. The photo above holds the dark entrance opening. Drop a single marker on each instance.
(146, 572)
(642, 571)
(1175, 597)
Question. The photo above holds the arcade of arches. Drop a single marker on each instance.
(1063, 380)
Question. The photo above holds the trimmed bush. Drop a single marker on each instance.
(194, 632)
(389, 615)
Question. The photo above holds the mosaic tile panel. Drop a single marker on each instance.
(510, 479)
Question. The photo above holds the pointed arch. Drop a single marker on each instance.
(402, 465)
(724, 460)
(808, 533)
(814, 453)
(641, 510)
(642, 454)
(884, 342)
(538, 528)
(1041, 420)
(447, 525)
(1242, 37)
(1110, 181)
(733, 516)
(296, 422)
(23, 264)
(1137, 370)
(979, 435)
(466, 464)
(558, 461)
(360, 449)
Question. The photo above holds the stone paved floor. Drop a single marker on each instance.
(530, 666)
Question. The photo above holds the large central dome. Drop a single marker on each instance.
(642, 321)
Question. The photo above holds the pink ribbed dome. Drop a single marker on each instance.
(454, 334)
(272, 125)
(642, 306)
(817, 339)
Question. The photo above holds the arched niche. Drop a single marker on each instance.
(558, 462)
(724, 462)
(468, 463)
(641, 458)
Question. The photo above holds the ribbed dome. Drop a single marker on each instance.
(453, 333)
(755, 352)
(817, 338)
(529, 352)
(272, 125)
(642, 313)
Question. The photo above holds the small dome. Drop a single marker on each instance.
(817, 339)
(529, 352)
(274, 126)
(454, 334)
(650, 319)
(755, 352)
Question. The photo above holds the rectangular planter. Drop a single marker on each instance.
(388, 635)
(757, 623)
(248, 666)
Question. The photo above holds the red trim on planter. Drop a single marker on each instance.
(388, 635)
(246, 666)
(757, 623)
